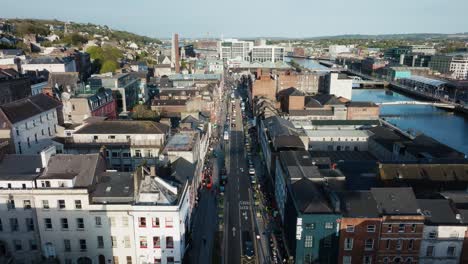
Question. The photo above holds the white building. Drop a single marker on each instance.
(50, 64)
(338, 140)
(31, 122)
(339, 85)
(335, 50)
(127, 143)
(215, 66)
(234, 48)
(456, 66)
(126, 217)
(443, 234)
(267, 53)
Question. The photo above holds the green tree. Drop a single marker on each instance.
(31, 27)
(95, 52)
(74, 39)
(142, 112)
(105, 59)
(109, 66)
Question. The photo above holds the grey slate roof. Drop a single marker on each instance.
(182, 171)
(358, 204)
(438, 211)
(283, 133)
(299, 164)
(20, 167)
(28, 107)
(114, 187)
(309, 198)
(46, 60)
(396, 201)
(124, 127)
(83, 168)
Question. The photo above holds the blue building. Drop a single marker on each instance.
(310, 212)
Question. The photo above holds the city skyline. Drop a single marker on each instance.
(207, 19)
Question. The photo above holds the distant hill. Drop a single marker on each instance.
(42, 27)
(411, 36)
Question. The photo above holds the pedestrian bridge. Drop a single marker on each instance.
(436, 104)
(367, 83)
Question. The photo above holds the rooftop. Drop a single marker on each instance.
(124, 127)
(345, 133)
(46, 60)
(198, 77)
(113, 187)
(309, 199)
(395, 201)
(426, 80)
(438, 212)
(182, 141)
(299, 164)
(425, 172)
(28, 107)
(359, 204)
(82, 168)
(20, 167)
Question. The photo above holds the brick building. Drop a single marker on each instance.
(362, 110)
(402, 225)
(12, 86)
(359, 228)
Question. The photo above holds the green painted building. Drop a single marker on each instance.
(311, 223)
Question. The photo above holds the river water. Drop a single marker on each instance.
(447, 127)
(444, 126)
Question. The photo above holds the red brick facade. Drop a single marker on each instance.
(400, 239)
(364, 234)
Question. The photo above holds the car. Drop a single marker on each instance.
(233, 125)
(250, 162)
(252, 171)
(252, 180)
(247, 245)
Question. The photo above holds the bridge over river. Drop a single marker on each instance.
(436, 104)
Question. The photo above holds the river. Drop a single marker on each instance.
(444, 126)
(447, 127)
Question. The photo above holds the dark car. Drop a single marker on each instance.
(247, 245)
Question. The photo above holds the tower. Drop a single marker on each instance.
(175, 54)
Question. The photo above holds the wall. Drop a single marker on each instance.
(339, 87)
(325, 240)
(445, 236)
(65, 67)
(359, 235)
(265, 87)
(405, 253)
(43, 125)
(15, 89)
(363, 113)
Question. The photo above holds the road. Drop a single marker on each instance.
(238, 207)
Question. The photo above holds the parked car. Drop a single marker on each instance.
(252, 171)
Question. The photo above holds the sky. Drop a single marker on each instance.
(252, 18)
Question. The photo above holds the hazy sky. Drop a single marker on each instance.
(251, 18)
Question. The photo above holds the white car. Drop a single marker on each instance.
(252, 171)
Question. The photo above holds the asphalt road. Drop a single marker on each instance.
(238, 201)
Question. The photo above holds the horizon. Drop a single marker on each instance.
(245, 19)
